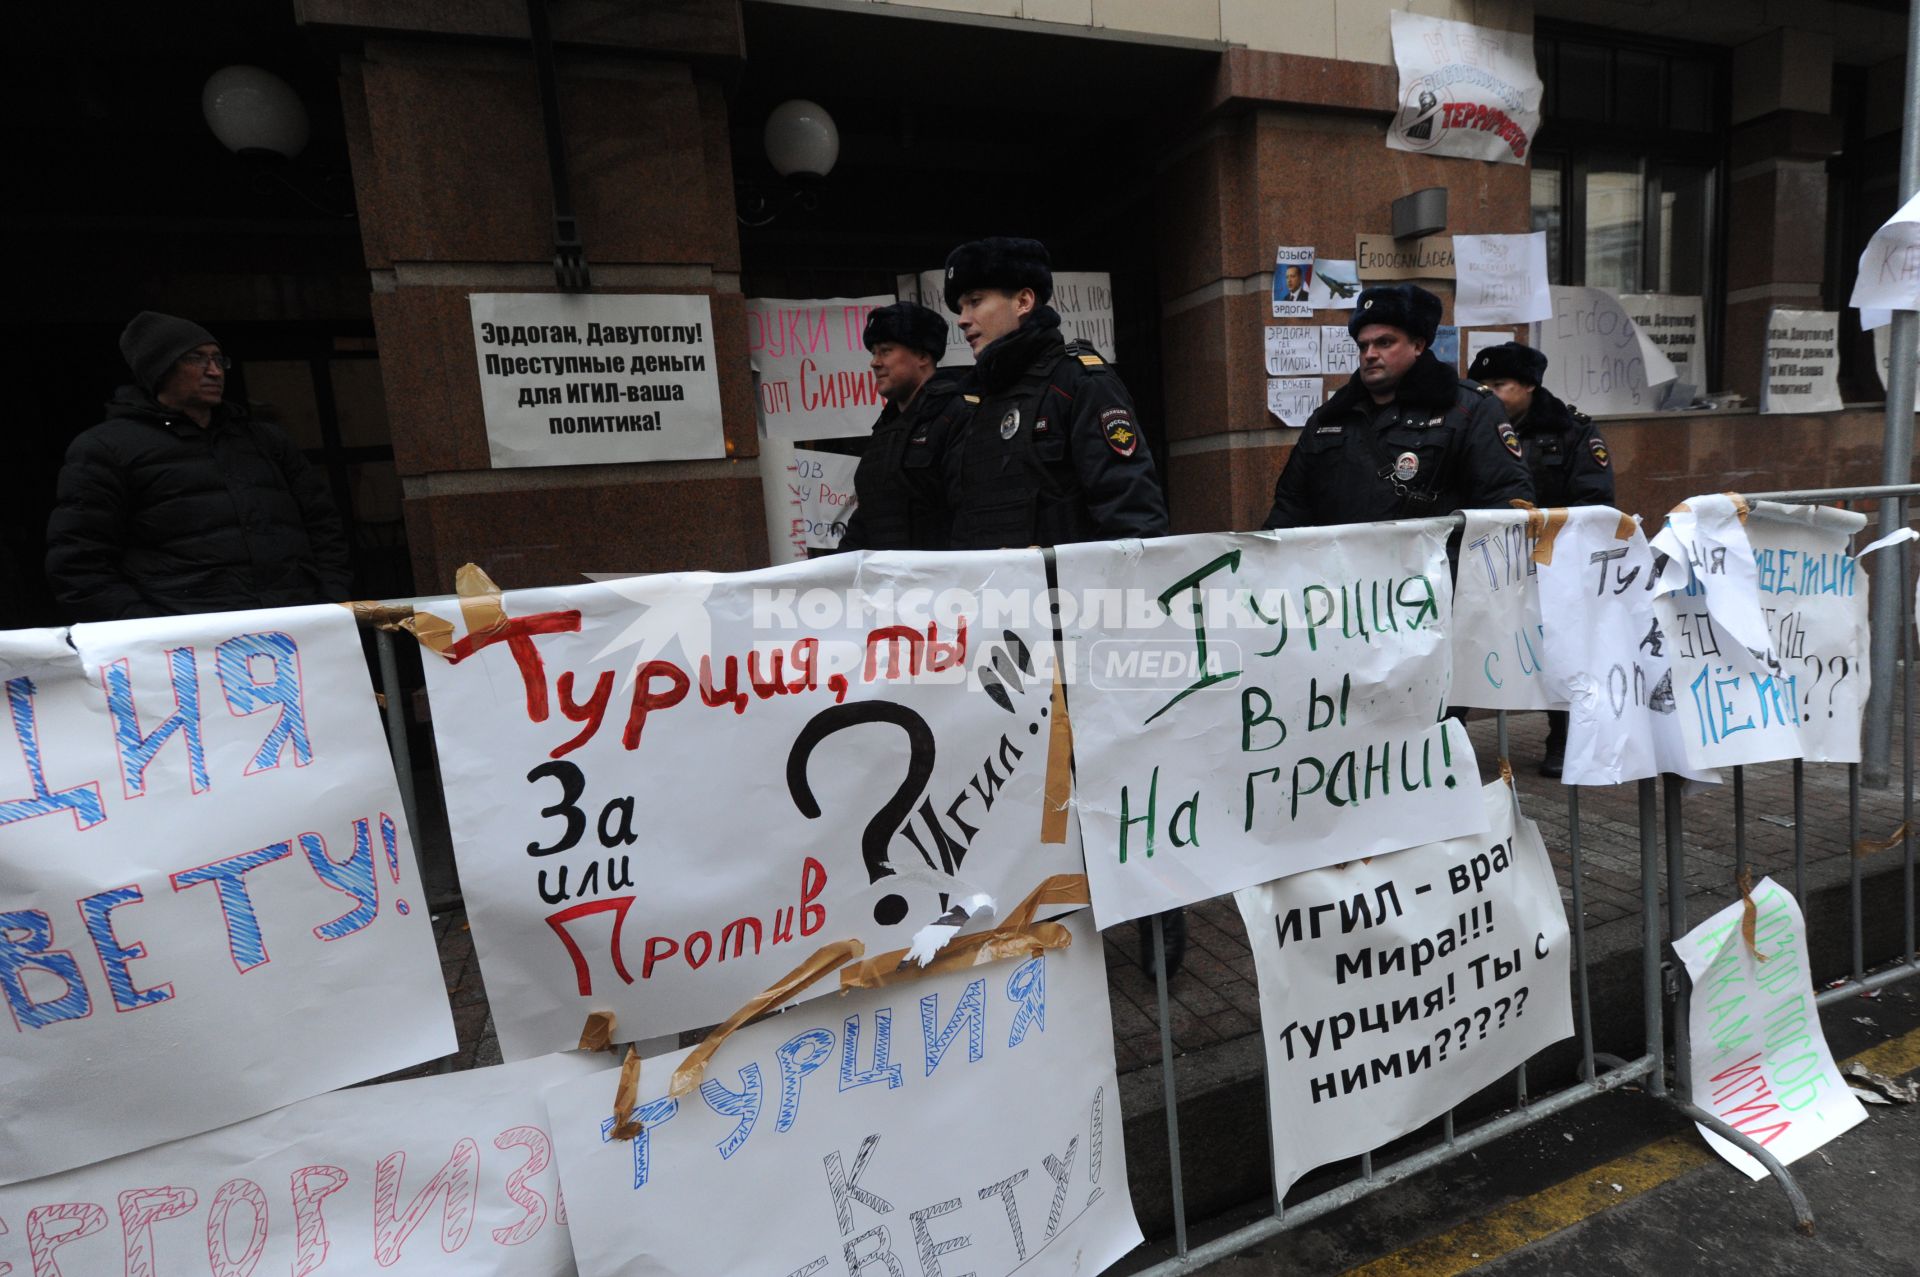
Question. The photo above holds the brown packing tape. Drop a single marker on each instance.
(1506, 771)
(1740, 506)
(1543, 526)
(597, 1032)
(827, 958)
(1623, 530)
(375, 614)
(626, 1096)
(1874, 846)
(1749, 915)
(1059, 784)
(479, 607)
(1018, 934)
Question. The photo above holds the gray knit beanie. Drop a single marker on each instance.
(153, 343)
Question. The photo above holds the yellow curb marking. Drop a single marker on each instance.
(1499, 1232)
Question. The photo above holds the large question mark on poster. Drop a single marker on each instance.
(890, 909)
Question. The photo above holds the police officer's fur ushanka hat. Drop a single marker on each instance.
(1003, 262)
(1414, 311)
(1509, 361)
(908, 324)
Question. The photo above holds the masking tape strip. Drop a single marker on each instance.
(1874, 846)
(1543, 526)
(789, 986)
(1019, 934)
(626, 1097)
(1059, 783)
(1506, 771)
(376, 614)
(597, 1033)
(1749, 914)
(1740, 506)
(480, 608)
(1623, 531)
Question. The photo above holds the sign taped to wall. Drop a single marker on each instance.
(211, 907)
(1465, 90)
(811, 365)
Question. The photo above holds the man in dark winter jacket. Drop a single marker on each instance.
(900, 502)
(181, 502)
(1051, 451)
(1568, 458)
(1405, 438)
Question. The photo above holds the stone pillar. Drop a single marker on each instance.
(451, 179)
(1776, 190)
(1294, 152)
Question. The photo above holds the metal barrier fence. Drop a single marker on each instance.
(1661, 827)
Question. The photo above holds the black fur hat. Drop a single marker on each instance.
(1509, 361)
(908, 324)
(1413, 310)
(1000, 262)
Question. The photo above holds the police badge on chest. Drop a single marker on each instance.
(1010, 424)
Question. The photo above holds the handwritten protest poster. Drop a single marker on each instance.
(1465, 90)
(664, 790)
(1392, 989)
(1889, 277)
(1604, 645)
(1293, 350)
(1502, 279)
(1335, 284)
(210, 905)
(1253, 705)
(1760, 1061)
(820, 490)
(1339, 353)
(1768, 618)
(1676, 325)
(451, 1175)
(595, 378)
(1801, 362)
(1597, 358)
(1293, 283)
(1293, 399)
(1498, 634)
(811, 365)
(970, 1119)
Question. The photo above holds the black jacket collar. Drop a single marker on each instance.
(1006, 358)
(1429, 385)
(132, 403)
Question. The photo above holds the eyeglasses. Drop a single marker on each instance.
(194, 358)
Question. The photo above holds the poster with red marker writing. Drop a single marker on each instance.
(451, 1175)
(208, 900)
(667, 791)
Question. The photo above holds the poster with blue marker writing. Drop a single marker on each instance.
(1498, 634)
(965, 1122)
(208, 899)
(450, 1175)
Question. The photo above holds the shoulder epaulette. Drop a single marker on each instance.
(971, 398)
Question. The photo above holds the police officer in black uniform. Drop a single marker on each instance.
(1405, 438)
(1567, 456)
(1051, 451)
(900, 501)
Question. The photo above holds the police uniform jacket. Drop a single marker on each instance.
(900, 495)
(1051, 450)
(1442, 445)
(1566, 455)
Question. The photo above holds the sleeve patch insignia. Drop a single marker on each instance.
(1600, 453)
(1117, 426)
(1508, 437)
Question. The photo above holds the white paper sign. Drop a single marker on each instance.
(1293, 399)
(1498, 636)
(1675, 324)
(1293, 283)
(1293, 350)
(1759, 1059)
(1464, 90)
(1501, 279)
(1335, 286)
(1802, 362)
(971, 1120)
(1883, 356)
(451, 1175)
(680, 784)
(570, 379)
(820, 494)
(210, 905)
(1767, 619)
(811, 365)
(1597, 358)
(1280, 716)
(1083, 298)
(1338, 1083)
(1890, 264)
(1604, 646)
(1339, 353)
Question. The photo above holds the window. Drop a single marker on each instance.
(1627, 166)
